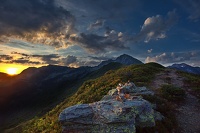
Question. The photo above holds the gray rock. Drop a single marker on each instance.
(108, 116)
(81, 113)
(108, 97)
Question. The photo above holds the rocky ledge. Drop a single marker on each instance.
(109, 115)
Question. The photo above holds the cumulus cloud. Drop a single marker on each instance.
(155, 27)
(37, 21)
(98, 24)
(173, 57)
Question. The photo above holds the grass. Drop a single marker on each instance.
(166, 108)
(172, 93)
(193, 82)
(47, 102)
(91, 91)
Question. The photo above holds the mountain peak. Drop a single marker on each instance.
(124, 55)
(127, 60)
(123, 59)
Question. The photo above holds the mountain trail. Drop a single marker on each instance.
(187, 113)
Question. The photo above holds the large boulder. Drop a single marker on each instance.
(108, 116)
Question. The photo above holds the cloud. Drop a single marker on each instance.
(6, 57)
(21, 54)
(53, 59)
(69, 60)
(22, 61)
(155, 27)
(150, 50)
(88, 63)
(48, 59)
(97, 44)
(99, 58)
(174, 57)
(98, 24)
(192, 7)
(19, 60)
(37, 21)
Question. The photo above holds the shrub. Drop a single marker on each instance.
(171, 92)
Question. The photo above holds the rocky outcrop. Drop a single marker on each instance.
(109, 115)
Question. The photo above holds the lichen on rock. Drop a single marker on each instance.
(109, 115)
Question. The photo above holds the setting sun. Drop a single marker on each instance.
(12, 71)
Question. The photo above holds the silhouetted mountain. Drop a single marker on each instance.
(186, 68)
(35, 85)
(3, 76)
(123, 59)
(42, 87)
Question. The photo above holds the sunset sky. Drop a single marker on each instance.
(85, 32)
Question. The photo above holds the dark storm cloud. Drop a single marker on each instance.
(96, 44)
(174, 57)
(39, 21)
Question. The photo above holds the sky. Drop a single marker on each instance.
(85, 32)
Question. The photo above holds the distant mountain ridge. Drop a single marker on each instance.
(123, 59)
(40, 85)
(186, 68)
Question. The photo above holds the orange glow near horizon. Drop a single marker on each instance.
(13, 69)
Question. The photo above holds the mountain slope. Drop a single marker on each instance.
(40, 89)
(186, 68)
(93, 90)
(51, 85)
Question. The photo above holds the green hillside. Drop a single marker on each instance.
(94, 90)
(91, 91)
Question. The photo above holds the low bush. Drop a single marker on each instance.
(172, 93)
